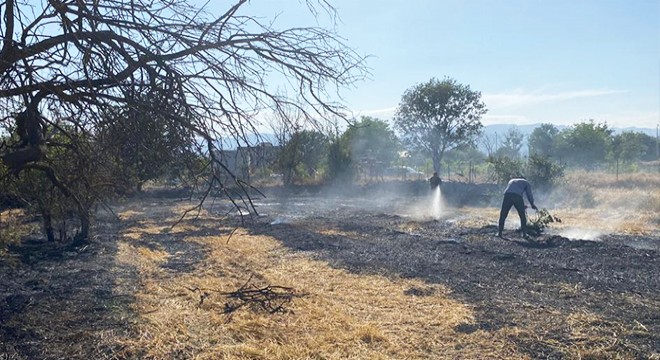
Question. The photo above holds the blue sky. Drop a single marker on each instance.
(550, 61)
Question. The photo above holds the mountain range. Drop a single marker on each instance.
(527, 129)
(492, 131)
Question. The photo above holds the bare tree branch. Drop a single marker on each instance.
(75, 61)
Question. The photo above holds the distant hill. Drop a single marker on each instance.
(647, 131)
(489, 130)
(527, 129)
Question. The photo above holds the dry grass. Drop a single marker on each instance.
(595, 338)
(13, 227)
(630, 204)
(179, 307)
(336, 315)
(589, 205)
(642, 180)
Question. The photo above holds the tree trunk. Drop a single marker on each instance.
(47, 221)
(82, 237)
(437, 162)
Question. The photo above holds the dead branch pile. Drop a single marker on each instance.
(271, 298)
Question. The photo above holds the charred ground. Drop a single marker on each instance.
(533, 283)
(599, 297)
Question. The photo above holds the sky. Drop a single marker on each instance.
(534, 61)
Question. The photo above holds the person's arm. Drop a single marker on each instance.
(530, 197)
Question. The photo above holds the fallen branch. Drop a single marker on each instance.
(271, 299)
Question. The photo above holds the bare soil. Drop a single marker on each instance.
(600, 296)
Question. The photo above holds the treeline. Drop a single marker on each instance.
(369, 147)
(67, 171)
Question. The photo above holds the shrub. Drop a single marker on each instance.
(543, 172)
(505, 168)
(537, 223)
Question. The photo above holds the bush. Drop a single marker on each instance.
(537, 223)
(543, 172)
(506, 168)
(539, 170)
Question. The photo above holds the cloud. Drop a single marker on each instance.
(521, 98)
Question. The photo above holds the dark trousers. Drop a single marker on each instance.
(516, 201)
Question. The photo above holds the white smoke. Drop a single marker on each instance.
(581, 234)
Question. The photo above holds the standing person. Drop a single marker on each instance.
(435, 180)
(513, 196)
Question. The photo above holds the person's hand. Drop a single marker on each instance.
(535, 208)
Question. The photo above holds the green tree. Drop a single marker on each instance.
(339, 159)
(629, 147)
(302, 155)
(56, 189)
(652, 146)
(466, 154)
(504, 168)
(373, 145)
(542, 171)
(585, 144)
(437, 116)
(511, 144)
(542, 140)
(371, 137)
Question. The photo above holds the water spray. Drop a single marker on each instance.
(436, 203)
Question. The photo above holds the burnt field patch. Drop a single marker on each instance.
(400, 281)
(593, 297)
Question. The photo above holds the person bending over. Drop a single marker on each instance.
(513, 196)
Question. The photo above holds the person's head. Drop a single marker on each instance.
(519, 176)
(435, 173)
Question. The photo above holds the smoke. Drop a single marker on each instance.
(581, 234)
(431, 206)
(588, 211)
(594, 204)
(281, 220)
(391, 198)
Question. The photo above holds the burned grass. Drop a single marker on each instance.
(340, 284)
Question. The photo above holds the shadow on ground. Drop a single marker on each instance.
(512, 283)
(64, 302)
(61, 302)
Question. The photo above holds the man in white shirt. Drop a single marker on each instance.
(513, 196)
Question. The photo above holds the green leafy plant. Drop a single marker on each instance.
(539, 222)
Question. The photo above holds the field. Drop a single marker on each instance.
(377, 272)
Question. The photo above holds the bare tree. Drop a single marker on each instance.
(64, 62)
(489, 143)
(284, 128)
